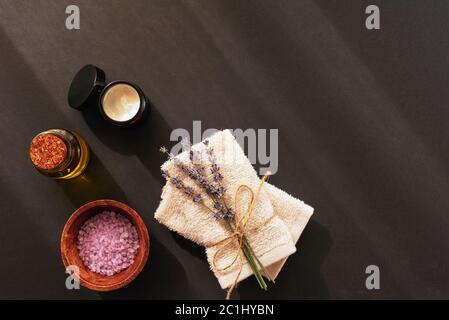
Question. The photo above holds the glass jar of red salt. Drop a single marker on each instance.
(59, 154)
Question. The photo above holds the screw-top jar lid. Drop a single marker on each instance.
(86, 87)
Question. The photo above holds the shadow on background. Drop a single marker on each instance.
(95, 183)
(142, 140)
(190, 246)
(301, 276)
(158, 278)
(31, 265)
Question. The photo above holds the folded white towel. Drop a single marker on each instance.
(275, 237)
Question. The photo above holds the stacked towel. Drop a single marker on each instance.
(277, 219)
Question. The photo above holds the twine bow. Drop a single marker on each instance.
(237, 238)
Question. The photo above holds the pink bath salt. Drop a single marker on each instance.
(107, 243)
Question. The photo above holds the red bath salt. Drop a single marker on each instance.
(47, 151)
(108, 243)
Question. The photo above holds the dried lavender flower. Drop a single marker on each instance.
(177, 182)
(165, 174)
(229, 213)
(188, 191)
(220, 191)
(200, 170)
(193, 175)
(218, 205)
(214, 168)
(197, 174)
(218, 215)
(211, 190)
(183, 167)
(202, 181)
(197, 198)
(163, 149)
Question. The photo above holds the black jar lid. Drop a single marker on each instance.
(86, 87)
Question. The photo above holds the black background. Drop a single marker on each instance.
(362, 118)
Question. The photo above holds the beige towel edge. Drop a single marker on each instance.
(296, 233)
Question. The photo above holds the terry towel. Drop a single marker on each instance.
(276, 222)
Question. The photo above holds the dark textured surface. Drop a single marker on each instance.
(362, 118)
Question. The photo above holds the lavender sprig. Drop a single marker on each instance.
(228, 214)
(179, 184)
(214, 167)
(221, 212)
(195, 173)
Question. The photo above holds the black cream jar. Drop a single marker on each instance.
(121, 103)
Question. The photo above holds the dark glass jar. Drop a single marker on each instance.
(121, 103)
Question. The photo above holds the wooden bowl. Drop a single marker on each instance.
(69, 250)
